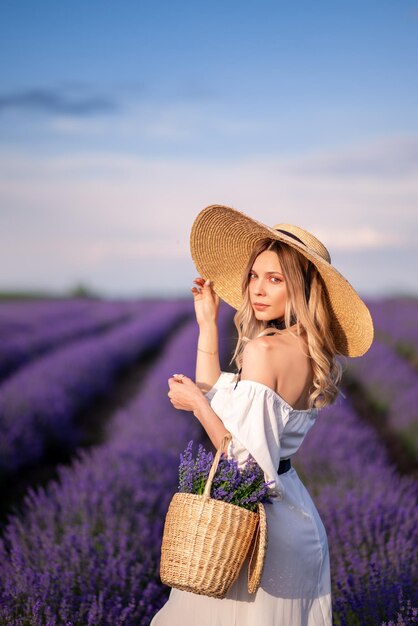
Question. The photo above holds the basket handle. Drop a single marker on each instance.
(225, 440)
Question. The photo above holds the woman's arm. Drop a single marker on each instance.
(206, 304)
(185, 395)
(210, 421)
(208, 367)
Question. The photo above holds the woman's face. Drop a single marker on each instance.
(267, 286)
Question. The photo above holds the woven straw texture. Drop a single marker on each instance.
(221, 241)
(206, 541)
(258, 551)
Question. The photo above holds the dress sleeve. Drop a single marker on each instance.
(225, 379)
(256, 418)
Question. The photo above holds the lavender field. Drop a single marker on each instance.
(83, 547)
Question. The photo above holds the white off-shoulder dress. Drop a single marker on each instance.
(295, 587)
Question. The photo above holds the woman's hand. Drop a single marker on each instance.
(206, 302)
(184, 394)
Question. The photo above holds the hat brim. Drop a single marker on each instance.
(221, 241)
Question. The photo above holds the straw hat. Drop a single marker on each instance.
(221, 241)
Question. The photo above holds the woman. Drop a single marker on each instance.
(295, 314)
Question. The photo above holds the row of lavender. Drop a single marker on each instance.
(86, 549)
(39, 403)
(390, 385)
(395, 320)
(370, 513)
(388, 372)
(31, 329)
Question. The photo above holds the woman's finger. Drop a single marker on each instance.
(180, 377)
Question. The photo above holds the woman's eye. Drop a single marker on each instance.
(274, 278)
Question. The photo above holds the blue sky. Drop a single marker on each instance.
(120, 121)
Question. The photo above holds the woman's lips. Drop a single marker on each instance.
(261, 307)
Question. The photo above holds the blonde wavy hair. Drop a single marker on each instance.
(306, 310)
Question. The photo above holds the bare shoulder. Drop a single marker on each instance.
(281, 344)
(259, 359)
(272, 359)
(260, 343)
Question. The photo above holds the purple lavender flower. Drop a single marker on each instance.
(369, 512)
(29, 330)
(86, 549)
(245, 487)
(38, 404)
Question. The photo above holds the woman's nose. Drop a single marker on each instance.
(258, 288)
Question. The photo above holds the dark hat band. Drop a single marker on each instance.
(285, 232)
(307, 274)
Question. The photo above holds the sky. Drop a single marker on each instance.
(120, 121)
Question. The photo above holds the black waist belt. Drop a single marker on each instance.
(284, 466)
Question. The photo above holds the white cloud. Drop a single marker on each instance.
(394, 156)
(178, 122)
(362, 238)
(98, 251)
(69, 125)
(110, 210)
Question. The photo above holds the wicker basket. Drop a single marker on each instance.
(258, 551)
(206, 541)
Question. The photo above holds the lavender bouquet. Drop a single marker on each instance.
(244, 487)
